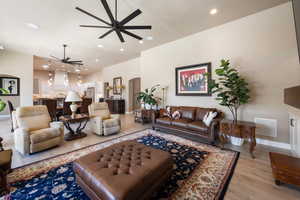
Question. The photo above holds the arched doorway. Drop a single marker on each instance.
(134, 89)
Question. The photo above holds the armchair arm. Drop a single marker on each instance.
(97, 125)
(116, 116)
(22, 140)
(60, 126)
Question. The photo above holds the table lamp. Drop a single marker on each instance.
(73, 97)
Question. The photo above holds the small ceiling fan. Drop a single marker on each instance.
(67, 60)
(118, 26)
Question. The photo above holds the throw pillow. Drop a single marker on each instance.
(168, 112)
(176, 115)
(209, 117)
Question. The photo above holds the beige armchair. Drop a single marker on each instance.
(34, 130)
(102, 122)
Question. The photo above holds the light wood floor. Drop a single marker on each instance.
(252, 179)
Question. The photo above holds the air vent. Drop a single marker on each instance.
(266, 127)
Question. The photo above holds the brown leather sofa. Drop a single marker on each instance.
(190, 124)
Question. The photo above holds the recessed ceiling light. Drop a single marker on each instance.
(122, 49)
(1, 47)
(77, 70)
(33, 26)
(45, 66)
(100, 45)
(149, 38)
(213, 11)
(97, 59)
(141, 41)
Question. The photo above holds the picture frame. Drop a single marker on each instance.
(117, 83)
(11, 84)
(193, 80)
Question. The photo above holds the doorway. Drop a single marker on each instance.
(134, 90)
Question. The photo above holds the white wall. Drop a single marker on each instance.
(127, 70)
(19, 65)
(262, 46)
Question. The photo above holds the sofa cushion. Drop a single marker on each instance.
(198, 126)
(188, 113)
(164, 120)
(180, 122)
(44, 135)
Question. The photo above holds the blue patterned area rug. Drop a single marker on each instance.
(200, 171)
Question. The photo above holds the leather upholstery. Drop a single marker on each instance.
(190, 124)
(187, 112)
(164, 120)
(33, 130)
(180, 122)
(102, 122)
(122, 171)
(199, 126)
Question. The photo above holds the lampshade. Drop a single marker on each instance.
(73, 97)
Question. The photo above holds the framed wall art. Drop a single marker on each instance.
(11, 84)
(117, 86)
(192, 81)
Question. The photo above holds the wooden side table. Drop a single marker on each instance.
(82, 119)
(286, 169)
(5, 168)
(241, 129)
(143, 115)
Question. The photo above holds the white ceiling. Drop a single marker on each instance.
(59, 23)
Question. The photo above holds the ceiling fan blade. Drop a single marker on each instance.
(132, 35)
(107, 9)
(136, 27)
(74, 61)
(105, 34)
(91, 15)
(91, 26)
(55, 57)
(120, 35)
(130, 17)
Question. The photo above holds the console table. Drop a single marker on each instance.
(241, 129)
(116, 106)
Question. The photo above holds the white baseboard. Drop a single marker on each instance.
(129, 112)
(273, 144)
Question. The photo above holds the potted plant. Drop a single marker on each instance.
(231, 89)
(147, 98)
(2, 103)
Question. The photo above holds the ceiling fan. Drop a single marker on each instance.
(67, 60)
(114, 25)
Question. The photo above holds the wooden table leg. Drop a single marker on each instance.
(222, 139)
(252, 145)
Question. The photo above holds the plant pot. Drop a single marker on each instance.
(237, 141)
(147, 106)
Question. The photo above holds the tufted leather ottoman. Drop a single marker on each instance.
(123, 171)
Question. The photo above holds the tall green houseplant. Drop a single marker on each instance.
(147, 96)
(2, 103)
(231, 89)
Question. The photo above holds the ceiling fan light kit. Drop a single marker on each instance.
(114, 25)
